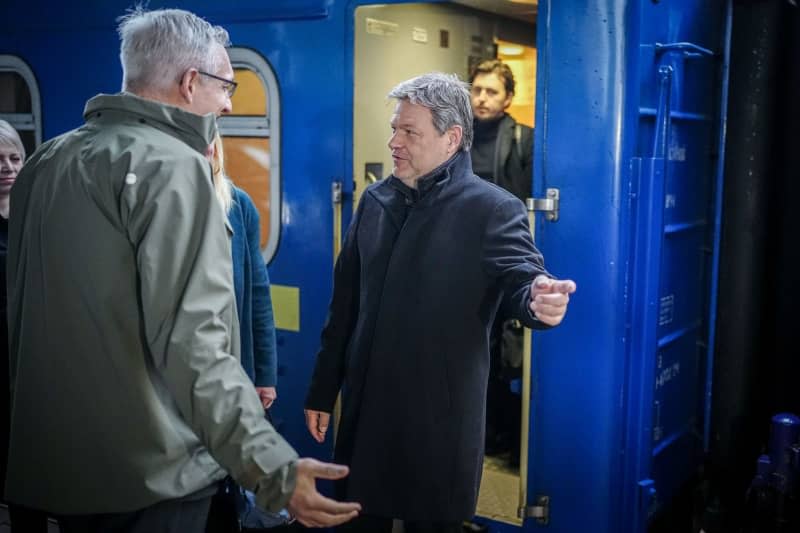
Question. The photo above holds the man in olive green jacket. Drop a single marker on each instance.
(128, 397)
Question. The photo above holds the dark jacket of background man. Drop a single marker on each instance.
(502, 153)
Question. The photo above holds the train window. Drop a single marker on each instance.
(251, 137)
(521, 60)
(250, 98)
(247, 161)
(19, 100)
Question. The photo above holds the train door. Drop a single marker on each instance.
(628, 126)
(394, 42)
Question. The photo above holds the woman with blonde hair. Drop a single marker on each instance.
(254, 305)
(12, 157)
(250, 280)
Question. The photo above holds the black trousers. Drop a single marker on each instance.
(172, 516)
(26, 520)
(378, 524)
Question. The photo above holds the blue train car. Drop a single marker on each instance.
(628, 102)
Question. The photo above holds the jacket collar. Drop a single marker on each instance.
(435, 179)
(195, 130)
(505, 139)
(396, 197)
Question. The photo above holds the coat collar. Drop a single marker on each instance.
(195, 130)
(459, 164)
(395, 196)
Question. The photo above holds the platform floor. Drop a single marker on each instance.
(499, 495)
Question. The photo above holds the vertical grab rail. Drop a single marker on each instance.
(540, 509)
(336, 200)
(527, 349)
(648, 264)
(718, 190)
(661, 139)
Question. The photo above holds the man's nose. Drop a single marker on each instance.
(393, 143)
(228, 107)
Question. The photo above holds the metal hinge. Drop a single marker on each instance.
(336, 192)
(548, 205)
(540, 511)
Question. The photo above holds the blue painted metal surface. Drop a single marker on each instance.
(580, 140)
(627, 112)
(625, 128)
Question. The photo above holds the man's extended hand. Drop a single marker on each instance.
(317, 423)
(549, 299)
(311, 508)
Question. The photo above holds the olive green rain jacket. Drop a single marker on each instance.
(126, 383)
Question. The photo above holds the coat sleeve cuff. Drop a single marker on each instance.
(274, 491)
(527, 317)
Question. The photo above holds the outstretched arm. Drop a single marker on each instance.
(531, 296)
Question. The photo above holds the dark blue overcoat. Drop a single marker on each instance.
(416, 287)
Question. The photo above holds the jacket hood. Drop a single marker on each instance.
(197, 131)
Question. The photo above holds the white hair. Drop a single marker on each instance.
(10, 137)
(446, 96)
(159, 46)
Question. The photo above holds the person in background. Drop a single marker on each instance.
(429, 255)
(257, 326)
(250, 281)
(12, 157)
(129, 402)
(502, 153)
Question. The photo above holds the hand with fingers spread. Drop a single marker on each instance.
(317, 423)
(311, 508)
(549, 298)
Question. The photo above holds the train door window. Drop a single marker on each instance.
(521, 60)
(251, 140)
(20, 105)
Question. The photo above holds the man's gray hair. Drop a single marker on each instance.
(446, 96)
(10, 137)
(159, 46)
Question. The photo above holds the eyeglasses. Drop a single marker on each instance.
(229, 85)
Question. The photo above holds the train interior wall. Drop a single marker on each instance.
(418, 38)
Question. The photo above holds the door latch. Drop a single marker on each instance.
(540, 511)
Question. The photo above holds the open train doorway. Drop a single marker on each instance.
(392, 43)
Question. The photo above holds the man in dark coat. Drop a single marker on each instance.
(502, 152)
(428, 257)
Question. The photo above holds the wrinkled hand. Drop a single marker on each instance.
(267, 395)
(549, 299)
(317, 423)
(311, 508)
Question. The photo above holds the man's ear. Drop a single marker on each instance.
(507, 101)
(188, 85)
(454, 135)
